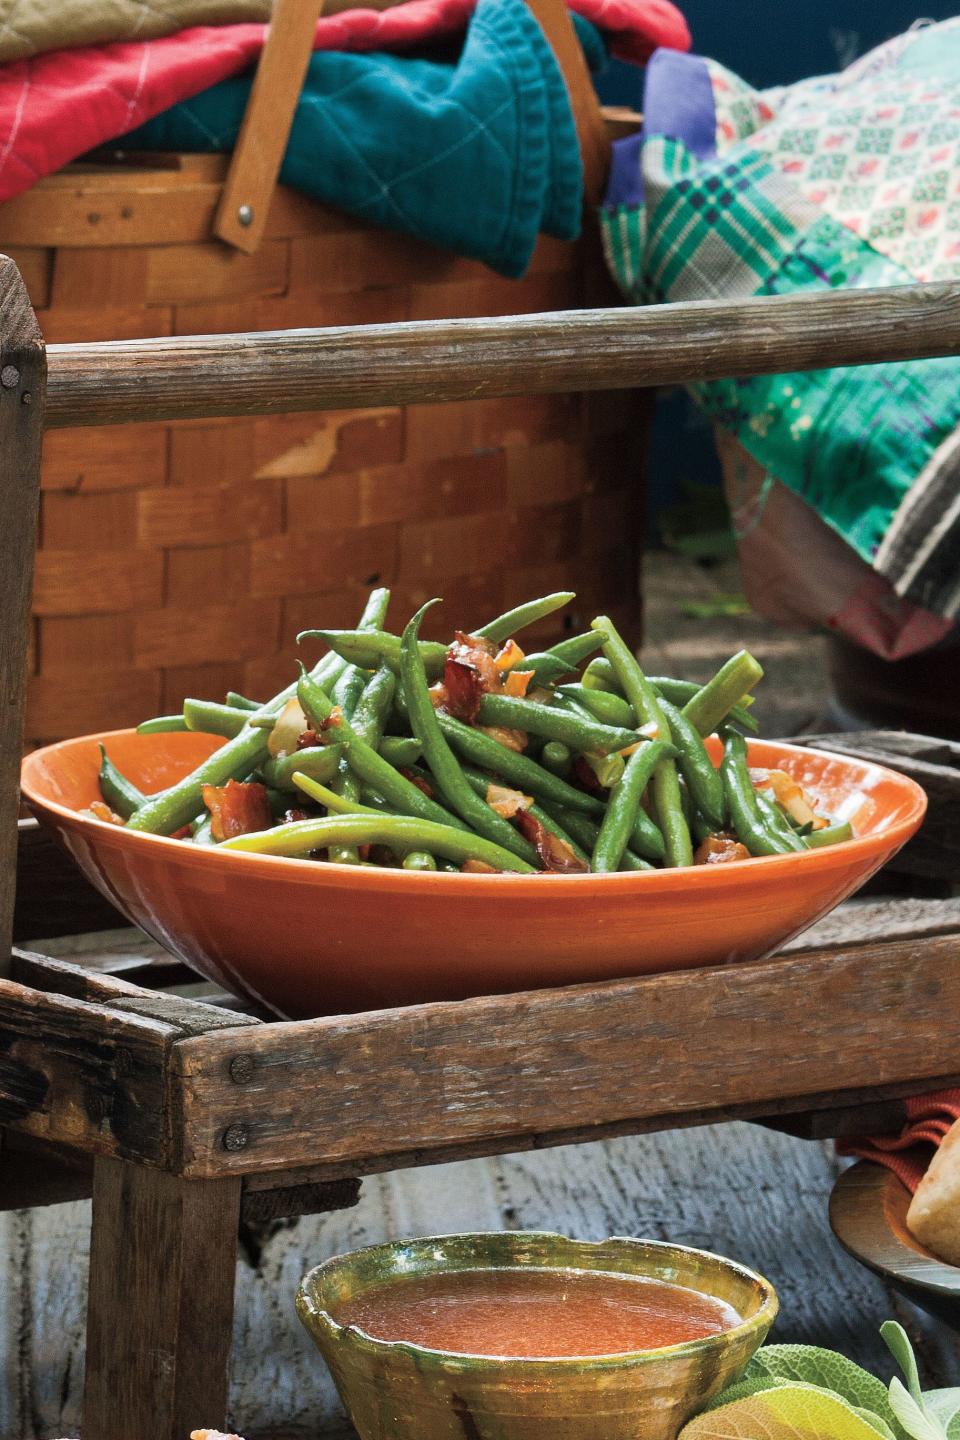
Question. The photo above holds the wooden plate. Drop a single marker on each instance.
(868, 1213)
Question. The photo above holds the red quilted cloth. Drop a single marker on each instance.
(929, 1117)
(57, 106)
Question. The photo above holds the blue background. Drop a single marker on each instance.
(768, 42)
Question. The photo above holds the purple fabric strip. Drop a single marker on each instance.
(678, 103)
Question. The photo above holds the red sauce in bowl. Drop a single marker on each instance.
(536, 1314)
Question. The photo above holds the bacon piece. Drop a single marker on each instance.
(477, 867)
(308, 739)
(505, 735)
(237, 808)
(330, 726)
(438, 696)
(184, 833)
(507, 802)
(586, 778)
(464, 689)
(719, 850)
(469, 673)
(211, 1435)
(423, 785)
(291, 816)
(555, 854)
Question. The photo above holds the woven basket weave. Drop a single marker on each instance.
(183, 558)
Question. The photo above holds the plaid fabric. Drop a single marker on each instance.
(873, 449)
(720, 230)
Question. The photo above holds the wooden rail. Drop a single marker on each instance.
(361, 366)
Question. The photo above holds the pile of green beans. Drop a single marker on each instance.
(592, 769)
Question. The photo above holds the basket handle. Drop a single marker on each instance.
(251, 179)
(241, 216)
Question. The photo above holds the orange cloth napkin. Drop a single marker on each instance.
(929, 1117)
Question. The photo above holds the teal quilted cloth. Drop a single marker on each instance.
(477, 153)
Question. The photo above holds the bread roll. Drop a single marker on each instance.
(934, 1214)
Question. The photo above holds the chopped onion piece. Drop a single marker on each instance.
(290, 725)
(508, 656)
(507, 802)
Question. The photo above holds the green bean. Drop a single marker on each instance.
(599, 675)
(778, 822)
(624, 807)
(303, 837)
(213, 719)
(162, 725)
(419, 860)
(830, 835)
(240, 702)
(480, 784)
(326, 795)
(601, 704)
(171, 808)
(507, 625)
(554, 724)
(118, 792)
(347, 694)
(556, 757)
(550, 789)
(371, 767)
(370, 648)
(696, 767)
(748, 822)
(443, 763)
(520, 770)
(607, 768)
(646, 707)
(585, 831)
(630, 861)
(320, 762)
(713, 701)
(374, 706)
(401, 750)
(560, 659)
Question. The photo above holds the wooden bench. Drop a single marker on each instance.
(181, 1115)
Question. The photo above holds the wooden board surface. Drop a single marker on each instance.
(557, 1063)
(375, 365)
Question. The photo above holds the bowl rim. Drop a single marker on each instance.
(354, 1335)
(709, 877)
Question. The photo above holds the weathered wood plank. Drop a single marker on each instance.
(59, 977)
(370, 365)
(354, 1087)
(22, 386)
(91, 1077)
(36, 1173)
(160, 1312)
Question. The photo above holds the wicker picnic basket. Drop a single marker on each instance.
(183, 558)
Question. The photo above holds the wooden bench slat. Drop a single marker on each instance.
(573, 1060)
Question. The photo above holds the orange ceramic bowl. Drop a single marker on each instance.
(314, 939)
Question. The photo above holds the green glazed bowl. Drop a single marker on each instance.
(394, 1390)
